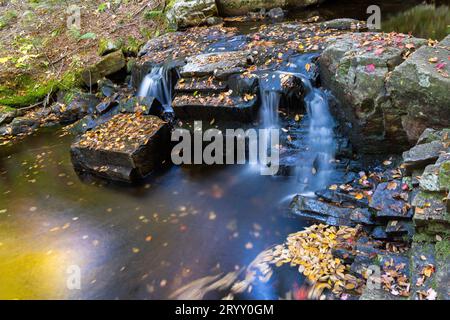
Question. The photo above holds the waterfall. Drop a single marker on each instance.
(270, 100)
(316, 163)
(158, 84)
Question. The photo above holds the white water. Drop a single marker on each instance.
(270, 100)
(157, 84)
(317, 163)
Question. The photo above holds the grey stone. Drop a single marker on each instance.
(208, 63)
(188, 13)
(422, 155)
(388, 203)
(421, 90)
(108, 65)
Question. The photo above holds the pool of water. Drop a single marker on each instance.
(143, 241)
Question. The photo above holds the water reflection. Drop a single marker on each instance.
(143, 241)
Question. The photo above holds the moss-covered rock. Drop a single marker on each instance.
(109, 64)
(106, 46)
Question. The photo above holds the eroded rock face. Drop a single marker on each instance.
(355, 68)
(189, 13)
(241, 7)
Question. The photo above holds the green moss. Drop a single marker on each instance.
(28, 91)
(443, 249)
(152, 15)
(422, 237)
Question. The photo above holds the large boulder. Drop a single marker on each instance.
(108, 65)
(355, 67)
(420, 86)
(241, 7)
(189, 13)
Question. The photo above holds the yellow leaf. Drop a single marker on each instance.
(333, 187)
(392, 185)
(4, 59)
(359, 196)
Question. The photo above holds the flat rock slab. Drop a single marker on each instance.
(317, 210)
(205, 84)
(422, 155)
(387, 202)
(208, 63)
(215, 106)
(125, 148)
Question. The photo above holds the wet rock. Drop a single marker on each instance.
(145, 105)
(105, 106)
(420, 88)
(21, 125)
(208, 63)
(396, 228)
(341, 198)
(342, 24)
(276, 14)
(362, 216)
(130, 155)
(213, 106)
(202, 85)
(430, 214)
(355, 71)
(422, 155)
(6, 117)
(189, 13)
(388, 202)
(76, 108)
(107, 66)
(317, 210)
(379, 233)
(107, 87)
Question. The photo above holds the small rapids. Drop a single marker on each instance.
(158, 84)
(316, 164)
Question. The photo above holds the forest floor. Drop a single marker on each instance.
(39, 49)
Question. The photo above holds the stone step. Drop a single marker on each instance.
(216, 106)
(201, 85)
(125, 148)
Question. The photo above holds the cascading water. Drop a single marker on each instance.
(316, 166)
(270, 100)
(316, 161)
(158, 84)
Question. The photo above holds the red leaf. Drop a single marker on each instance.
(370, 68)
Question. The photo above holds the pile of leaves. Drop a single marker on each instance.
(124, 132)
(214, 100)
(394, 280)
(311, 251)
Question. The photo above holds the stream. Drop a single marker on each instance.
(148, 240)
